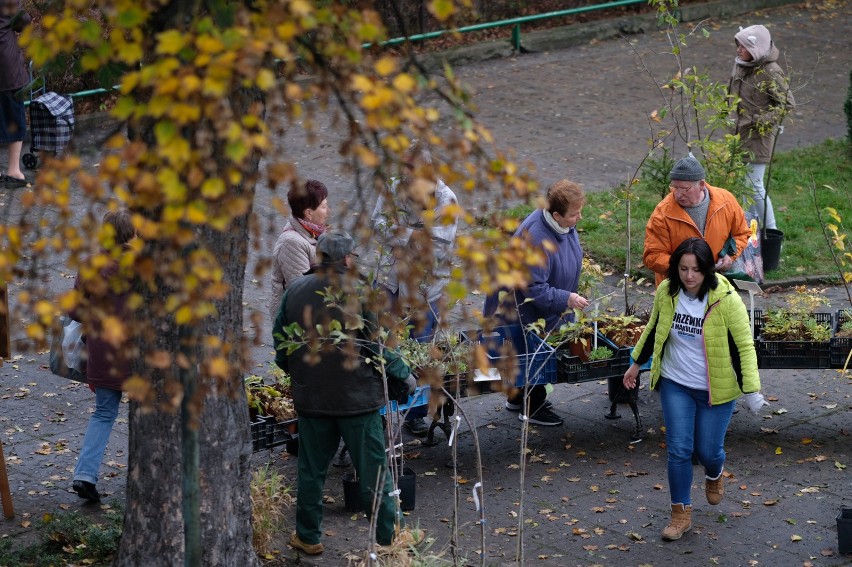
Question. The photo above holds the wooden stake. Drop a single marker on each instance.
(5, 493)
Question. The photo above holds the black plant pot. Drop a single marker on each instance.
(351, 493)
(770, 248)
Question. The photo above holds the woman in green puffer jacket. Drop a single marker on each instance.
(704, 358)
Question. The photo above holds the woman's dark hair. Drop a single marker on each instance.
(308, 197)
(122, 223)
(704, 259)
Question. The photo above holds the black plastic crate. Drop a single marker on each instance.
(791, 354)
(572, 369)
(282, 432)
(259, 433)
(268, 433)
(840, 346)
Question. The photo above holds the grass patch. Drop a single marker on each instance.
(69, 539)
(805, 251)
(270, 503)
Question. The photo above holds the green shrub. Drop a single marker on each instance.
(68, 539)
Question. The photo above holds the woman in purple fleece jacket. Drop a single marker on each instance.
(552, 290)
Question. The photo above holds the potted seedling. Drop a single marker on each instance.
(601, 353)
(623, 330)
(795, 336)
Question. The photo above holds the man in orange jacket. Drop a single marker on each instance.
(693, 208)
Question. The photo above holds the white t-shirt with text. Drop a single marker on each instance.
(683, 359)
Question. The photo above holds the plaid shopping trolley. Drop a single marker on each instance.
(51, 125)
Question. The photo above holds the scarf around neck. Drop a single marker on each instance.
(313, 229)
(551, 222)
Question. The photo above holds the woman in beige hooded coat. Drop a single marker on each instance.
(765, 99)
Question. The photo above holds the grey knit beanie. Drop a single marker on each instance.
(687, 169)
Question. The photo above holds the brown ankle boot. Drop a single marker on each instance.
(680, 523)
(714, 489)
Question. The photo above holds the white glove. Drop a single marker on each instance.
(411, 382)
(754, 401)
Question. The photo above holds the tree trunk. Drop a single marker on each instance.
(153, 524)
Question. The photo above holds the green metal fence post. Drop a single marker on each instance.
(516, 38)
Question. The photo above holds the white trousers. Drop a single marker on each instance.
(754, 175)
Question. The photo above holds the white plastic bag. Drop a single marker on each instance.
(73, 347)
(76, 347)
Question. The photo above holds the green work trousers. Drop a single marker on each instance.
(319, 438)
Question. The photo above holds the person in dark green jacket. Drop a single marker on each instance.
(704, 359)
(337, 389)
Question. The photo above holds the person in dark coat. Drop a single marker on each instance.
(107, 364)
(337, 389)
(14, 76)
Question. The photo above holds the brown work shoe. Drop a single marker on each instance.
(307, 548)
(680, 523)
(714, 489)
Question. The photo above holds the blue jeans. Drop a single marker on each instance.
(692, 425)
(97, 434)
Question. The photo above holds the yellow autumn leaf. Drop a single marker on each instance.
(301, 7)
(183, 315)
(442, 9)
(208, 44)
(236, 151)
(196, 213)
(35, 331)
(367, 156)
(359, 83)
(213, 188)
(44, 309)
(68, 301)
(137, 388)
(385, 66)
(213, 87)
(177, 151)
(778, 450)
(130, 53)
(170, 42)
(795, 537)
(265, 79)
(219, 367)
(286, 31)
(113, 331)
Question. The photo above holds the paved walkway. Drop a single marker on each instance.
(590, 497)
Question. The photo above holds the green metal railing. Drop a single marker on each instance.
(514, 22)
